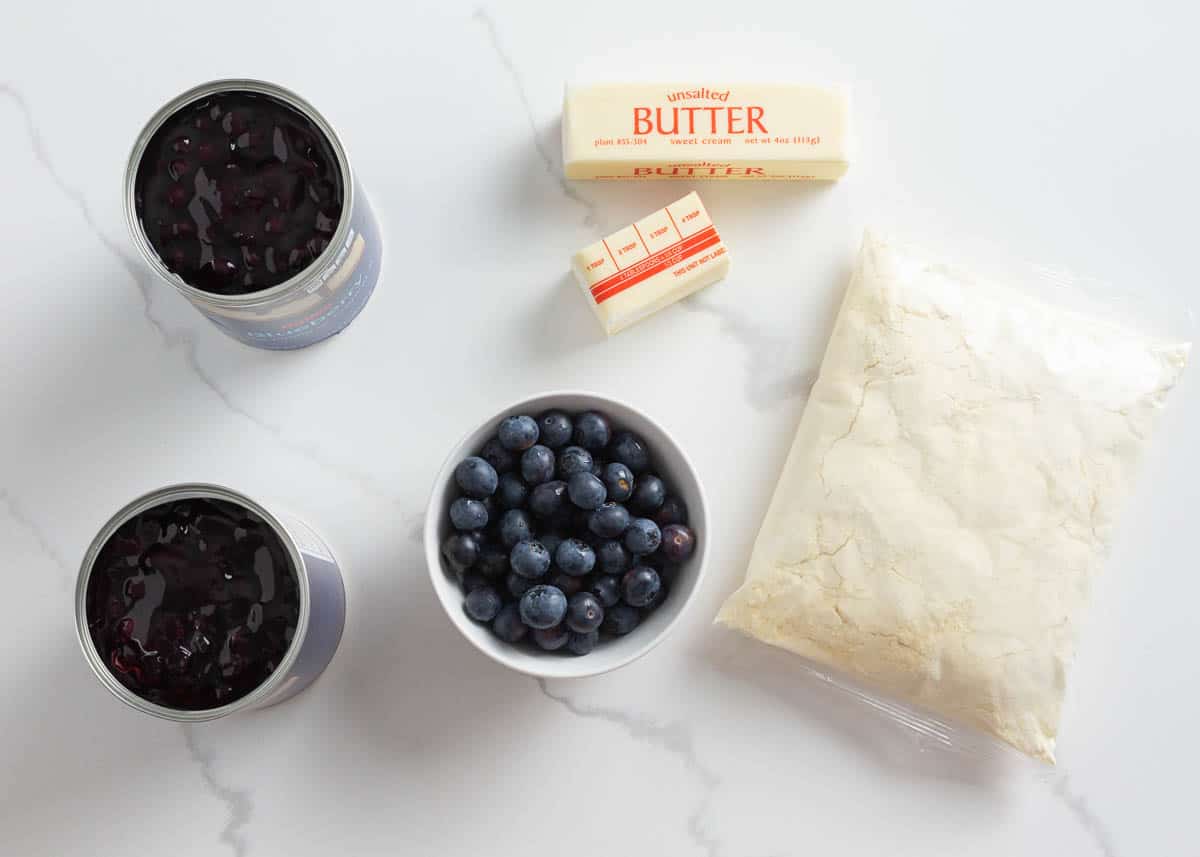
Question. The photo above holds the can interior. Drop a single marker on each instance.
(167, 497)
(276, 94)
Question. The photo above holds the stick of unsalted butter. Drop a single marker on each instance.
(648, 265)
(726, 131)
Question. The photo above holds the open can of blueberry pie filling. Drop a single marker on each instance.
(195, 602)
(240, 195)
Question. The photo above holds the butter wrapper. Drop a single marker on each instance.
(651, 264)
(730, 131)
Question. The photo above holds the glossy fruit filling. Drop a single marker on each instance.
(193, 604)
(237, 192)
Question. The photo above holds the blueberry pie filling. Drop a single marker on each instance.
(192, 604)
(238, 192)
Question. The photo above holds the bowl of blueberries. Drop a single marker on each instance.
(566, 535)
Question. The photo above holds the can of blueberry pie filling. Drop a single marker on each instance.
(195, 602)
(239, 194)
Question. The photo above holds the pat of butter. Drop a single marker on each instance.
(650, 264)
(722, 131)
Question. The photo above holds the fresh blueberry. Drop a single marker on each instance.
(575, 557)
(468, 514)
(508, 625)
(642, 537)
(476, 477)
(612, 557)
(609, 521)
(620, 620)
(630, 450)
(511, 492)
(548, 499)
(529, 559)
(586, 491)
(517, 585)
(543, 606)
(572, 460)
(556, 428)
(537, 464)
(607, 589)
(515, 526)
(495, 454)
(568, 584)
(658, 598)
(618, 481)
(581, 644)
(672, 511)
(483, 604)
(648, 495)
(678, 542)
(461, 550)
(584, 613)
(639, 586)
(592, 430)
(518, 433)
(492, 562)
(551, 639)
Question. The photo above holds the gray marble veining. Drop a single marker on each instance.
(769, 379)
(18, 514)
(675, 738)
(547, 151)
(1077, 805)
(237, 802)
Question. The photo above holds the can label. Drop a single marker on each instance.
(327, 306)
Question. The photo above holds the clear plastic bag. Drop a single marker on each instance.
(951, 492)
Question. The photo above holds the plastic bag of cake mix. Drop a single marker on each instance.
(950, 494)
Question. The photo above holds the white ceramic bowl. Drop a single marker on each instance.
(670, 462)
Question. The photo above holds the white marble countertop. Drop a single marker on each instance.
(1061, 131)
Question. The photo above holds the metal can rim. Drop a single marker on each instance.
(184, 491)
(288, 286)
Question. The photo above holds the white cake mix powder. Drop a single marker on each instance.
(951, 492)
